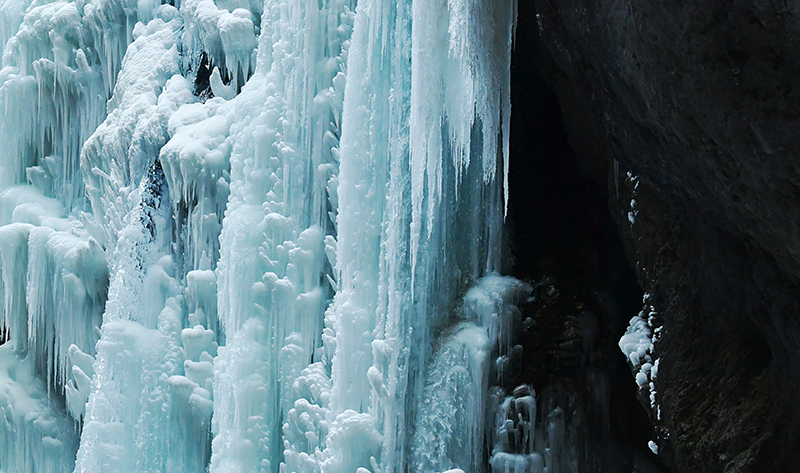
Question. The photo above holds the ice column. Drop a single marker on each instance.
(279, 221)
(150, 403)
(421, 209)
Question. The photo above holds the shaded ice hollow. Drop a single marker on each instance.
(256, 236)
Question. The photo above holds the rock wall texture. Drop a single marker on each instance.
(701, 102)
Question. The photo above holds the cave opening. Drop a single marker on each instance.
(562, 233)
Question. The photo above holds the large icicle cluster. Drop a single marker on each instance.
(253, 236)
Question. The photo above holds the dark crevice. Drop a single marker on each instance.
(154, 189)
(202, 79)
(561, 228)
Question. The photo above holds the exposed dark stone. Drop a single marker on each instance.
(202, 80)
(154, 188)
(698, 100)
(561, 228)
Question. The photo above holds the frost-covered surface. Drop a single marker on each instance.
(638, 343)
(252, 235)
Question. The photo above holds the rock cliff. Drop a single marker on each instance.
(688, 113)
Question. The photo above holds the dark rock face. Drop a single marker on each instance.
(699, 101)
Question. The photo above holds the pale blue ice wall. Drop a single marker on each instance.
(169, 254)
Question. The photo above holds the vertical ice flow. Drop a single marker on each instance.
(420, 210)
(273, 265)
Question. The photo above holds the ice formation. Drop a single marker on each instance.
(639, 347)
(635, 183)
(256, 236)
(638, 343)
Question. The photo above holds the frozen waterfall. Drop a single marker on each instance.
(258, 236)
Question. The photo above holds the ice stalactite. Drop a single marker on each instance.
(227, 35)
(59, 69)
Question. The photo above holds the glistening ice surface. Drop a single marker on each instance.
(259, 236)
